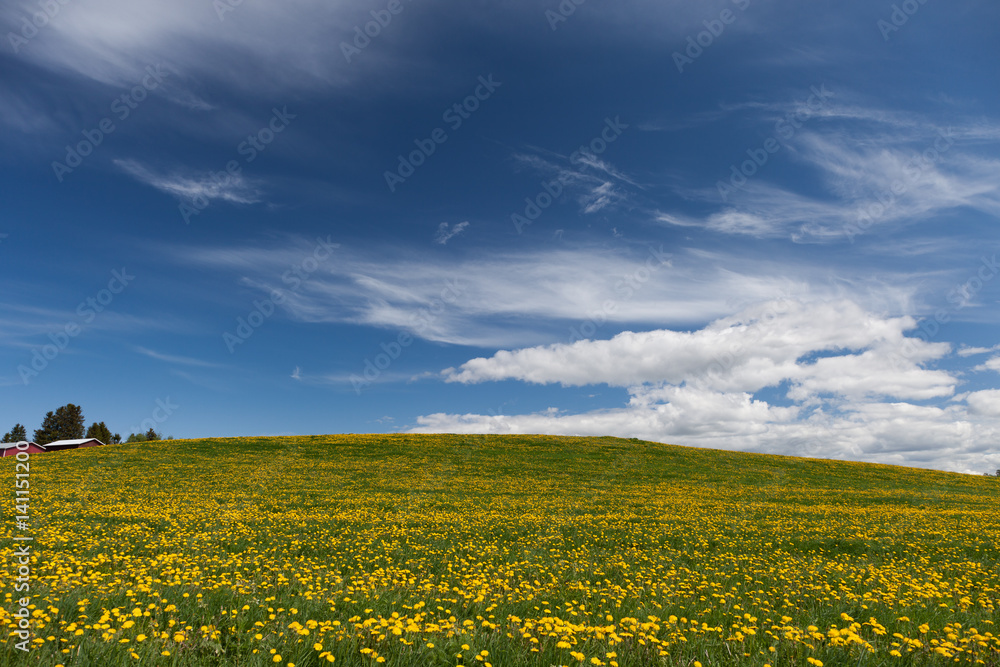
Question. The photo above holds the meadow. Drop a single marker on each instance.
(499, 551)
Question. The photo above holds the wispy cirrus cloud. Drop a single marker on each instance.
(513, 298)
(190, 187)
(600, 197)
(876, 169)
(595, 183)
(445, 232)
(176, 359)
(28, 326)
(20, 113)
(265, 46)
(111, 41)
(970, 351)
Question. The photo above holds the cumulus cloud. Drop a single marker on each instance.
(986, 402)
(992, 364)
(760, 347)
(898, 433)
(847, 383)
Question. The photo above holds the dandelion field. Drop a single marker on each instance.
(500, 551)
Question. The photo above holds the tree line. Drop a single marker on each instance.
(67, 423)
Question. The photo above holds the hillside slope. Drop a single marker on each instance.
(502, 550)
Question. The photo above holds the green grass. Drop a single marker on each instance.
(521, 546)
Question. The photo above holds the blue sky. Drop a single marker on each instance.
(756, 225)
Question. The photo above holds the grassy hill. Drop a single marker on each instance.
(498, 550)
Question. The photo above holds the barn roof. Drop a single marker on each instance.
(8, 445)
(78, 441)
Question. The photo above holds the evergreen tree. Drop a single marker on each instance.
(16, 434)
(66, 423)
(116, 438)
(152, 435)
(99, 431)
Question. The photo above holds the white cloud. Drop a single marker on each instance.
(881, 169)
(692, 412)
(261, 48)
(970, 351)
(599, 197)
(851, 380)
(896, 433)
(547, 294)
(111, 41)
(176, 359)
(595, 163)
(21, 114)
(444, 234)
(234, 188)
(28, 326)
(585, 176)
(992, 364)
(760, 347)
(986, 402)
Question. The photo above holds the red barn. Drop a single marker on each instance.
(72, 444)
(11, 448)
